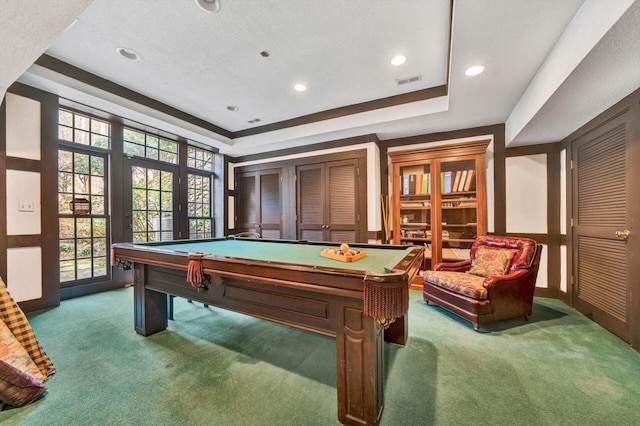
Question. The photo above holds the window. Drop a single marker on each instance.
(144, 145)
(199, 206)
(83, 237)
(200, 159)
(199, 192)
(83, 129)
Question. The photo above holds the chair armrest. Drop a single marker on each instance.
(504, 279)
(520, 284)
(463, 266)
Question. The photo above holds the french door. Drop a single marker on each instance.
(605, 234)
(151, 201)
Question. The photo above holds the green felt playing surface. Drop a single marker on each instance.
(378, 260)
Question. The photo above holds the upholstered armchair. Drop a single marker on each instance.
(496, 283)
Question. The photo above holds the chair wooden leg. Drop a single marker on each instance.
(476, 326)
(527, 317)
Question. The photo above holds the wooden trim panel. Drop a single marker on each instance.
(420, 95)
(23, 164)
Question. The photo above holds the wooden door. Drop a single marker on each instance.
(270, 205)
(311, 202)
(605, 200)
(342, 207)
(329, 201)
(259, 202)
(246, 203)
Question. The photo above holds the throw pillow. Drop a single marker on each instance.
(490, 262)
(17, 388)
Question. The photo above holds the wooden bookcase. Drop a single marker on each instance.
(435, 203)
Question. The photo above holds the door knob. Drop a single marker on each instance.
(623, 234)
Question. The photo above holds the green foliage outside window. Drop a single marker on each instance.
(141, 144)
(83, 129)
(82, 239)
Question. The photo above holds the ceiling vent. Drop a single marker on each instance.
(406, 80)
(255, 120)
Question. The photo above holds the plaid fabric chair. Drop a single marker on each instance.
(16, 321)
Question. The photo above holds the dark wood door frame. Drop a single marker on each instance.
(627, 110)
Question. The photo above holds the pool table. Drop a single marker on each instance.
(360, 303)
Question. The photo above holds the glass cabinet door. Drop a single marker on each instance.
(415, 206)
(459, 208)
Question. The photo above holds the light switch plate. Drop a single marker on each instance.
(26, 206)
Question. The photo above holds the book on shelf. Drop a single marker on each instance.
(412, 184)
(445, 234)
(447, 181)
(455, 253)
(405, 184)
(418, 190)
(456, 181)
(469, 180)
(462, 182)
(424, 188)
(415, 234)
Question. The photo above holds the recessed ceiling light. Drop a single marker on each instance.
(233, 108)
(474, 70)
(209, 5)
(128, 53)
(398, 60)
(300, 87)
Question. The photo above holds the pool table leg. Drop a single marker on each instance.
(360, 366)
(397, 331)
(149, 307)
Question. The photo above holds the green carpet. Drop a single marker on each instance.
(214, 367)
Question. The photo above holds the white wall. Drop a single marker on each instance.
(563, 220)
(526, 194)
(24, 280)
(23, 132)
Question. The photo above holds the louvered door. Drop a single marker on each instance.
(259, 203)
(311, 202)
(342, 216)
(327, 198)
(601, 251)
(270, 206)
(246, 206)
